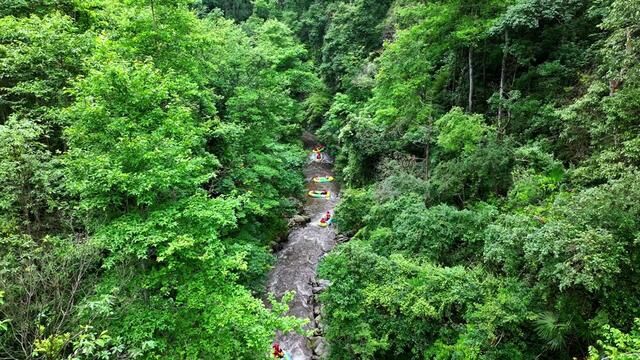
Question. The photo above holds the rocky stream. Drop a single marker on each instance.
(298, 259)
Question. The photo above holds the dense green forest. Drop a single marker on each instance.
(150, 155)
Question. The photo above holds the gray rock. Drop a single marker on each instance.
(299, 220)
(322, 327)
(322, 350)
(313, 341)
(321, 286)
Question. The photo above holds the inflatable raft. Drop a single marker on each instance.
(326, 223)
(319, 194)
(318, 149)
(323, 179)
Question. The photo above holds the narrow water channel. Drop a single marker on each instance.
(298, 259)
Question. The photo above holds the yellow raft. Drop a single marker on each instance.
(323, 179)
(319, 194)
(325, 224)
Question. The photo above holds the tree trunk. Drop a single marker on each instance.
(427, 150)
(153, 15)
(470, 79)
(503, 75)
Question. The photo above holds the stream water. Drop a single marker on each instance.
(298, 259)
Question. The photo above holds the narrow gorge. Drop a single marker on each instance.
(297, 260)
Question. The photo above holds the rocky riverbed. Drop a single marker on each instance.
(298, 258)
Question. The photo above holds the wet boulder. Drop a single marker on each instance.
(299, 220)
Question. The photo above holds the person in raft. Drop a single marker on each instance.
(324, 192)
(277, 351)
(326, 218)
(318, 156)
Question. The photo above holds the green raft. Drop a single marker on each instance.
(319, 194)
(323, 179)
